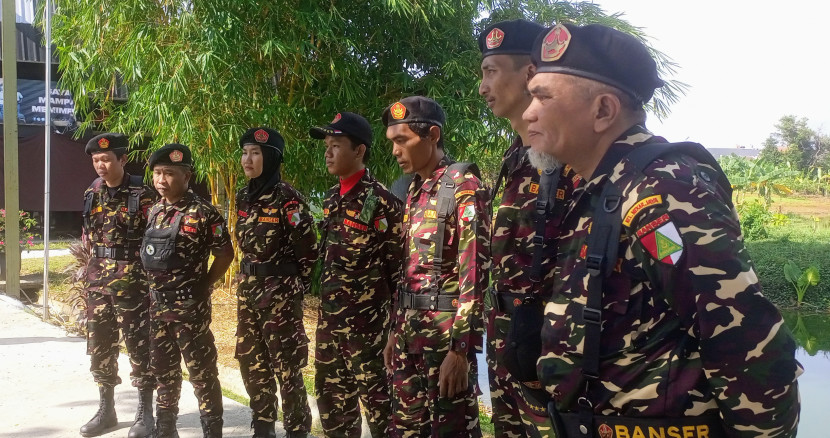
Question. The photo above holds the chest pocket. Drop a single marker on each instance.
(158, 249)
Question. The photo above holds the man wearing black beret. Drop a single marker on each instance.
(183, 230)
(275, 234)
(362, 249)
(656, 324)
(115, 215)
(522, 270)
(438, 323)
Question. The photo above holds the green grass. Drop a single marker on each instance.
(803, 241)
(55, 244)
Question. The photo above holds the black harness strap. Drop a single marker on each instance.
(446, 207)
(547, 187)
(602, 253)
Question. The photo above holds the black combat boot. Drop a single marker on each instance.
(143, 425)
(165, 424)
(105, 418)
(263, 429)
(212, 426)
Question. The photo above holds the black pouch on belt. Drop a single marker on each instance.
(522, 349)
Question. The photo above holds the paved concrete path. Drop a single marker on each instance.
(46, 390)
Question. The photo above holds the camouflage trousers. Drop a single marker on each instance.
(418, 410)
(349, 366)
(271, 342)
(106, 315)
(511, 416)
(182, 330)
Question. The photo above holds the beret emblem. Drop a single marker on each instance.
(555, 43)
(398, 111)
(103, 143)
(494, 38)
(261, 136)
(176, 156)
(336, 118)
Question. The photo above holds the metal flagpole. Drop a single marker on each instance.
(47, 40)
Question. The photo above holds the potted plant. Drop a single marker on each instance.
(27, 236)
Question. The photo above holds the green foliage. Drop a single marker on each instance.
(200, 73)
(804, 245)
(760, 176)
(755, 218)
(801, 280)
(26, 226)
(801, 146)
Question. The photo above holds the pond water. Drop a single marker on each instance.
(812, 332)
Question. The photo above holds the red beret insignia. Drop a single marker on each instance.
(455, 302)
(261, 136)
(517, 302)
(494, 38)
(555, 43)
(176, 156)
(336, 118)
(103, 143)
(398, 111)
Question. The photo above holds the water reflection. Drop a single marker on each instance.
(812, 332)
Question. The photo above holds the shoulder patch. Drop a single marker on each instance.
(640, 206)
(216, 229)
(381, 224)
(241, 213)
(469, 212)
(664, 244)
(465, 193)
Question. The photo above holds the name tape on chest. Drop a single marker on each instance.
(269, 219)
(355, 225)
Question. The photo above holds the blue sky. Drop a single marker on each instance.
(747, 63)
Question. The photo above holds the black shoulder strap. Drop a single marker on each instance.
(446, 206)
(136, 187)
(602, 252)
(90, 196)
(548, 182)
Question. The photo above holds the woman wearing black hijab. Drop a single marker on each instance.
(275, 233)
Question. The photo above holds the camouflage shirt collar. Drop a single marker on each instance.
(182, 204)
(631, 138)
(436, 174)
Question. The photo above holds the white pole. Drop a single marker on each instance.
(47, 40)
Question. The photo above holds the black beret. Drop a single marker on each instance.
(173, 154)
(600, 53)
(345, 123)
(264, 137)
(509, 38)
(414, 109)
(107, 142)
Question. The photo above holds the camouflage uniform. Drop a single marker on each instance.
(512, 249)
(117, 297)
(424, 337)
(685, 329)
(274, 230)
(180, 309)
(362, 256)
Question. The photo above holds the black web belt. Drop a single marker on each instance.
(268, 269)
(116, 252)
(441, 303)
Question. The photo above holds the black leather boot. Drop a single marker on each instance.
(263, 429)
(165, 424)
(105, 418)
(143, 425)
(212, 427)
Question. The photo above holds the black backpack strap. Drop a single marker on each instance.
(602, 253)
(136, 187)
(445, 208)
(548, 182)
(89, 199)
